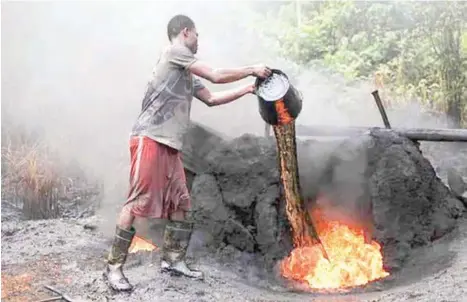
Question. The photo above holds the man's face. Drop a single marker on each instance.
(191, 39)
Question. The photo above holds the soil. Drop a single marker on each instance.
(237, 250)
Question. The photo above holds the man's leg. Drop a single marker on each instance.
(141, 176)
(126, 218)
(178, 231)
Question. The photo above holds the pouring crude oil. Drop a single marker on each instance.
(279, 105)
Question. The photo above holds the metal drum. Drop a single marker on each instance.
(279, 102)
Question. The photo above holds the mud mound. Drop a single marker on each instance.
(379, 180)
(383, 181)
(238, 201)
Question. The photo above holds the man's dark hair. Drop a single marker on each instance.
(177, 24)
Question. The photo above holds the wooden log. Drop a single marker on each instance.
(303, 230)
(416, 134)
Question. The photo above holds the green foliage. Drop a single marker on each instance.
(418, 50)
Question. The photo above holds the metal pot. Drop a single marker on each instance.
(279, 102)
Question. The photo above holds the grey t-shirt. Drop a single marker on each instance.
(165, 112)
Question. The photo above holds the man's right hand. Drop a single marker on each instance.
(261, 71)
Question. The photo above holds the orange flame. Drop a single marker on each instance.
(352, 261)
(283, 115)
(141, 244)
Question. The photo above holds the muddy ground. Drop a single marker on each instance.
(68, 254)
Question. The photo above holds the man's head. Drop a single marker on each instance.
(183, 28)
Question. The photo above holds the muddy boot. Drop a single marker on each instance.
(176, 239)
(113, 272)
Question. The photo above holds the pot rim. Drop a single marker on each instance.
(276, 97)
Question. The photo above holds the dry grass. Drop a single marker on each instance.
(31, 178)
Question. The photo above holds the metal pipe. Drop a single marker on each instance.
(417, 134)
(381, 109)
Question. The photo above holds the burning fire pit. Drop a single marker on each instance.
(352, 262)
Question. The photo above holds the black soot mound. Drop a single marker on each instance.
(238, 200)
(379, 179)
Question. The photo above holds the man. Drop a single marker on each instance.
(157, 180)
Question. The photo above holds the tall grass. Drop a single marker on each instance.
(31, 177)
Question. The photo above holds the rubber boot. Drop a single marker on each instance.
(176, 239)
(113, 272)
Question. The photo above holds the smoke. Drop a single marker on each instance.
(77, 71)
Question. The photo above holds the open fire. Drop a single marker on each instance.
(141, 244)
(352, 261)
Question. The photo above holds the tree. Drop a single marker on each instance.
(417, 49)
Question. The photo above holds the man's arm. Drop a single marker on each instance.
(223, 97)
(182, 57)
(227, 75)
